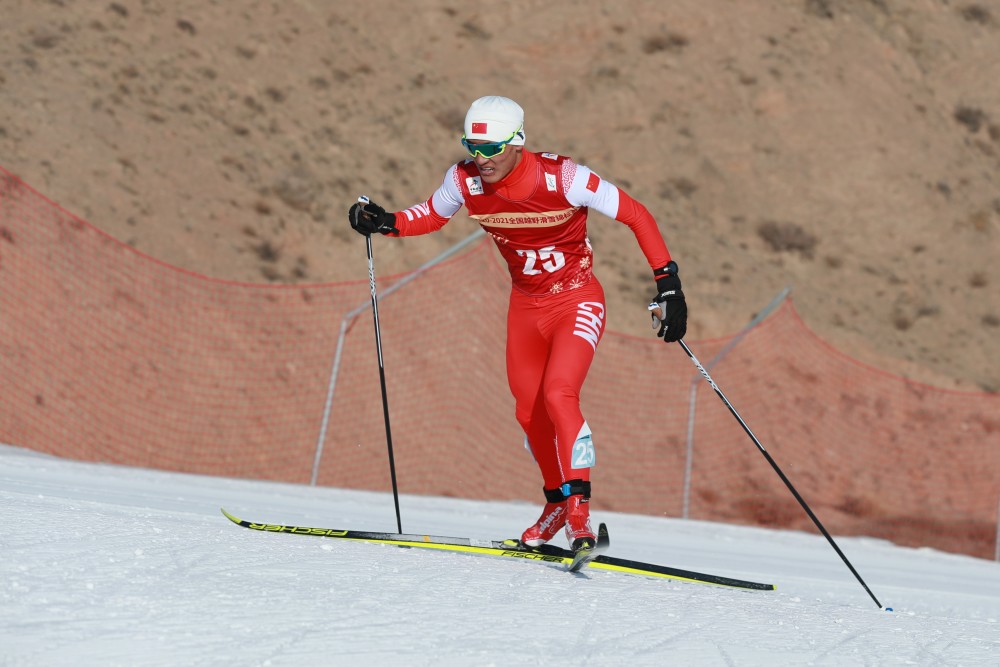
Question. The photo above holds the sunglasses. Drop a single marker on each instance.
(489, 150)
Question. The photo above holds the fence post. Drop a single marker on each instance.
(346, 324)
(693, 395)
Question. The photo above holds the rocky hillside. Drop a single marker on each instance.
(849, 149)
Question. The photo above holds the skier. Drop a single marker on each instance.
(534, 206)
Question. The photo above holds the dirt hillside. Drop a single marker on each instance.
(849, 149)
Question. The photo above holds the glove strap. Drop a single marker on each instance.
(669, 270)
(668, 284)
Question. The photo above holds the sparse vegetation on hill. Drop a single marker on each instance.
(847, 148)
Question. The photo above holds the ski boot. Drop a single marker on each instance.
(553, 518)
(579, 534)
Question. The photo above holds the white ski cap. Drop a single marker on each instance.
(494, 118)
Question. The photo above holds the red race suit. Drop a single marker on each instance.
(537, 216)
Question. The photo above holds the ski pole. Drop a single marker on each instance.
(784, 479)
(655, 307)
(381, 374)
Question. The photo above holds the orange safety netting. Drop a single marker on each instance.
(109, 355)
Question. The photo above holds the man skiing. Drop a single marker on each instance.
(534, 206)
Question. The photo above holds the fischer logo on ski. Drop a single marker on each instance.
(298, 530)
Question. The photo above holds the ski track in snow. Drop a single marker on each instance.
(107, 565)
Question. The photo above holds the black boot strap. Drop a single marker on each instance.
(574, 487)
(554, 495)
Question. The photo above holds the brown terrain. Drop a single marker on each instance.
(849, 149)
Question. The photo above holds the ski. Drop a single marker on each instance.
(510, 548)
(583, 556)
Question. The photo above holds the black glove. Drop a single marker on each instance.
(368, 218)
(670, 311)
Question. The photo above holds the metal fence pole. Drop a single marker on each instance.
(693, 396)
(345, 326)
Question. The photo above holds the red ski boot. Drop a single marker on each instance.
(553, 518)
(579, 534)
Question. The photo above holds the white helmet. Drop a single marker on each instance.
(494, 118)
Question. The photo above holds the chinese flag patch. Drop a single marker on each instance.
(479, 128)
(593, 182)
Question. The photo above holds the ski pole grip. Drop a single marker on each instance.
(656, 312)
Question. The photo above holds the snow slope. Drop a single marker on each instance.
(106, 565)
